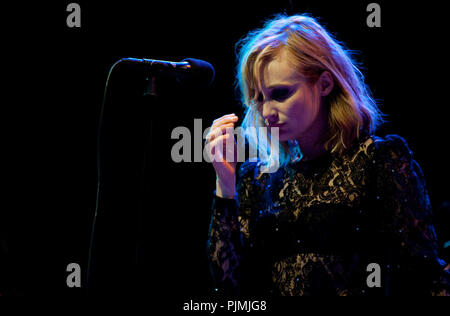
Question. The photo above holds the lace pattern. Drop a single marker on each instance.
(313, 227)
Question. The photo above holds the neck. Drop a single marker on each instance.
(312, 141)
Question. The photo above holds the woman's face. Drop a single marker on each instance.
(287, 101)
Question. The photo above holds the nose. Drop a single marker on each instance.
(269, 113)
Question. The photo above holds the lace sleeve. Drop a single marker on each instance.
(229, 235)
(404, 206)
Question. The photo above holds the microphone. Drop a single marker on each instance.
(158, 64)
(188, 69)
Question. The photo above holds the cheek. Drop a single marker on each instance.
(307, 104)
(294, 116)
(297, 112)
(300, 114)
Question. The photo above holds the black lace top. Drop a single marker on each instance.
(314, 227)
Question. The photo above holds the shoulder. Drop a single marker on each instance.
(390, 147)
(377, 148)
(391, 151)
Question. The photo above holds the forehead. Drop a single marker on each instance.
(279, 70)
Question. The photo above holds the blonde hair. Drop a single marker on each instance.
(351, 107)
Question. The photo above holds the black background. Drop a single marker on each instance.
(55, 77)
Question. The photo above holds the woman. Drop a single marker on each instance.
(343, 202)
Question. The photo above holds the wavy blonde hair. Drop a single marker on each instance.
(351, 107)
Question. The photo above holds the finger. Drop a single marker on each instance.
(223, 129)
(224, 120)
(214, 148)
(224, 117)
(219, 147)
(226, 128)
(216, 138)
(229, 148)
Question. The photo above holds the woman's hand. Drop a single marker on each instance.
(221, 133)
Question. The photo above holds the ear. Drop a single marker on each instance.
(325, 83)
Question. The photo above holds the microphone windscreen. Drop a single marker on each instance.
(202, 71)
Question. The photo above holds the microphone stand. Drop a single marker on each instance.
(104, 258)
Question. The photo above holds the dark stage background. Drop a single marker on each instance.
(55, 80)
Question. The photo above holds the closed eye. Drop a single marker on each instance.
(281, 94)
(277, 93)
